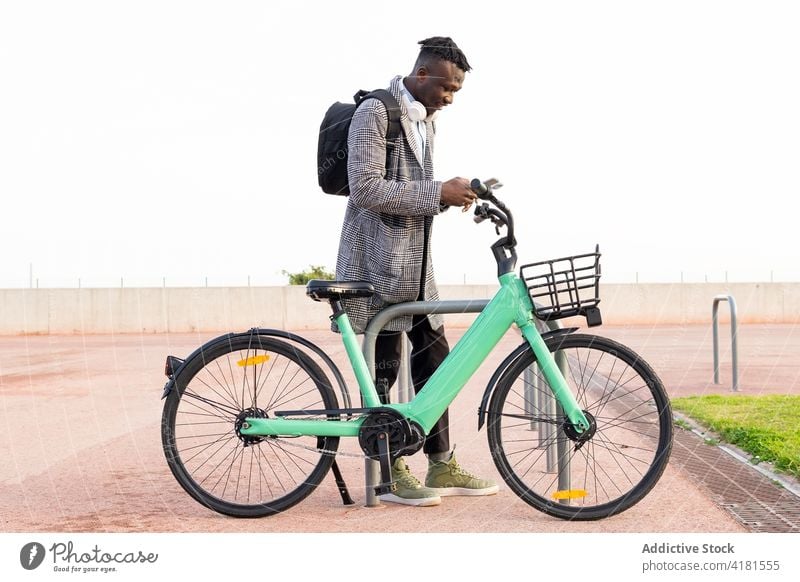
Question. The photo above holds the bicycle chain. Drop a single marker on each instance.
(315, 449)
(351, 455)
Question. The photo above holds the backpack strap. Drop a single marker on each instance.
(392, 110)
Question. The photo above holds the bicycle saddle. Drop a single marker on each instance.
(319, 289)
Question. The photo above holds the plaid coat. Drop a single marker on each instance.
(388, 213)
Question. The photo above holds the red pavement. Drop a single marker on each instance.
(79, 436)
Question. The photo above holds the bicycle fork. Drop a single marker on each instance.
(555, 378)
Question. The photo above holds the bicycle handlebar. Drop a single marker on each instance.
(484, 189)
(504, 249)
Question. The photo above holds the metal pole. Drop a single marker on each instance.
(405, 383)
(371, 468)
(530, 391)
(734, 333)
(549, 430)
(562, 441)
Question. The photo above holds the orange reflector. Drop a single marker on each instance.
(570, 494)
(254, 361)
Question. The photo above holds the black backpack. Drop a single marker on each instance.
(332, 147)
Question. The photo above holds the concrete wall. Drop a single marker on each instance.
(160, 310)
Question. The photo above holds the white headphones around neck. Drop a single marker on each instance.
(416, 110)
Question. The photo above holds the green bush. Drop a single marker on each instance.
(313, 272)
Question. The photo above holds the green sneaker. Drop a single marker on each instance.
(409, 490)
(448, 478)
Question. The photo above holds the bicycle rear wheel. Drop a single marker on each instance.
(236, 377)
(542, 459)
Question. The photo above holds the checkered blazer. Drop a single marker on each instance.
(388, 212)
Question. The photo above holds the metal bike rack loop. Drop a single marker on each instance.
(376, 324)
(734, 349)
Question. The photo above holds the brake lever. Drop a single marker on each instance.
(493, 183)
(481, 213)
(497, 223)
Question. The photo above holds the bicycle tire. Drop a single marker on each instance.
(225, 381)
(617, 466)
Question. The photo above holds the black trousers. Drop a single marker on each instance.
(428, 349)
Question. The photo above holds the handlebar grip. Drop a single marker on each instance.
(479, 187)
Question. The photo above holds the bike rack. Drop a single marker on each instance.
(538, 400)
(405, 390)
(734, 349)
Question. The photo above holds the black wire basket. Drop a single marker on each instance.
(565, 287)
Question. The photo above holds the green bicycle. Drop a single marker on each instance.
(579, 426)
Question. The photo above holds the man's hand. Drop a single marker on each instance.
(456, 192)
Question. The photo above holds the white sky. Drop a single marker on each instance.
(151, 139)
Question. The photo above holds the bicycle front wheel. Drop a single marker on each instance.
(581, 477)
(237, 377)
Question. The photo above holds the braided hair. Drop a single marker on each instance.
(443, 48)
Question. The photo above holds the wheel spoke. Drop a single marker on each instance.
(233, 473)
(589, 475)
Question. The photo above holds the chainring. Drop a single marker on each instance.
(397, 428)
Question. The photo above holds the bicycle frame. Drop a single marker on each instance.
(510, 305)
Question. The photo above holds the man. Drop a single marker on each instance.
(386, 241)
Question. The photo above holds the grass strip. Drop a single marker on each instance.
(767, 427)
